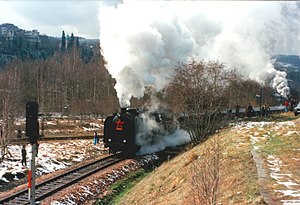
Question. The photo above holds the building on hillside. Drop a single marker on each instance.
(3, 31)
(19, 38)
(5, 28)
(32, 37)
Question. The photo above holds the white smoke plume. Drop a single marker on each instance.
(152, 135)
(278, 80)
(179, 137)
(142, 40)
(281, 84)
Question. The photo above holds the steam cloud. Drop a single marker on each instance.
(277, 78)
(179, 137)
(143, 41)
(152, 136)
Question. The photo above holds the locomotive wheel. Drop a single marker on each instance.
(110, 151)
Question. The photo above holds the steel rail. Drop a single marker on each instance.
(57, 183)
(57, 138)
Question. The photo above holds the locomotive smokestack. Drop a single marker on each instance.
(123, 110)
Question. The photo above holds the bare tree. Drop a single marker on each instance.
(242, 90)
(7, 103)
(64, 82)
(204, 175)
(198, 88)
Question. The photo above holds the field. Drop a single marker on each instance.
(52, 155)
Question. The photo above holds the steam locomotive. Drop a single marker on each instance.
(127, 130)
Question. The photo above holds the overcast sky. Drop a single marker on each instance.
(51, 17)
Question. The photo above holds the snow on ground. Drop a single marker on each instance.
(98, 186)
(93, 127)
(290, 188)
(52, 156)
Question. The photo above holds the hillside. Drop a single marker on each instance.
(228, 153)
(17, 43)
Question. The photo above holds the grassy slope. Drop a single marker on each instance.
(172, 183)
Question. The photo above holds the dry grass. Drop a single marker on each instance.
(64, 127)
(238, 171)
(280, 150)
(172, 183)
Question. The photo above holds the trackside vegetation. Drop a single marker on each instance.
(117, 190)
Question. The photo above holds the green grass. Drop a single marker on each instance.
(280, 145)
(252, 190)
(119, 189)
(273, 146)
(272, 118)
(282, 118)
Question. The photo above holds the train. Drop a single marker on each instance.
(126, 131)
(131, 129)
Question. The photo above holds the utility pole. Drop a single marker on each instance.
(31, 175)
(260, 100)
(260, 96)
(32, 131)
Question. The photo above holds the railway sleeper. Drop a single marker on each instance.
(38, 195)
(39, 191)
(54, 184)
(23, 196)
(44, 188)
(75, 173)
(58, 184)
(81, 171)
(68, 179)
(57, 181)
(76, 177)
(14, 203)
(21, 199)
(60, 181)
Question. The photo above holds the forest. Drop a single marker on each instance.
(69, 84)
(72, 86)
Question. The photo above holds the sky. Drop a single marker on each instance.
(149, 38)
(52, 17)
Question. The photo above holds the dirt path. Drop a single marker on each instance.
(263, 177)
(275, 150)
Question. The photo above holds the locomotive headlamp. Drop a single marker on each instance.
(124, 141)
(109, 140)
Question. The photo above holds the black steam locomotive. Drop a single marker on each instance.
(127, 130)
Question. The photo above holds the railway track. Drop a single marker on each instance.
(273, 110)
(53, 185)
(44, 138)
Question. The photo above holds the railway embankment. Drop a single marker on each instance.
(251, 162)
